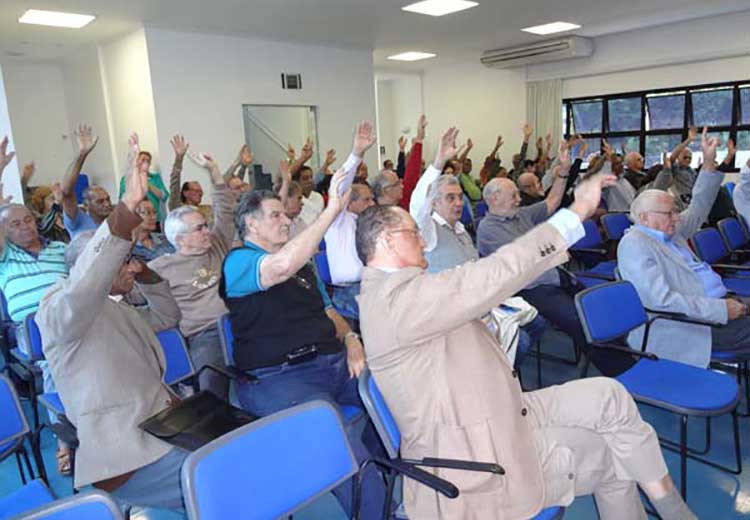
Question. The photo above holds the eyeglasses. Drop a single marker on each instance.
(397, 183)
(673, 212)
(199, 227)
(412, 231)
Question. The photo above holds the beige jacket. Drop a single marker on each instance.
(105, 358)
(450, 387)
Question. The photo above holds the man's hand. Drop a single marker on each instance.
(692, 134)
(583, 148)
(402, 143)
(527, 131)
(469, 145)
(355, 355)
(608, 150)
(421, 125)
(179, 146)
(330, 158)
(735, 309)
(708, 146)
(5, 155)
(28, 172)
(246, 156)
(539, 143)
(447, 148)
(338, 201)
(3, 199)
(86, 139)
(307, 151)
(548, 141)
(666, 160)
(57, 193)
(563, 154)
(290, 153)
(285, 173)
(588, 194)
(136, 184)
(364, 138)
(731, 151)
(204, 160)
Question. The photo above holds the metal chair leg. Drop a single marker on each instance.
(683, 456)
(20, 468)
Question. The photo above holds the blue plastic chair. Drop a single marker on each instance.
(481, 209)
(31, 496)
(731, 231)
(322, 245)
(592, 253)
(25, 362)
(92, 505)
(179, 365)
(615, 224)
(390, 436)
(14, 429)
(730, 188)
(710, 247)
(675, 387)
(273, 474)
(321, 266)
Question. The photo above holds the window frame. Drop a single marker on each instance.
(733, 128)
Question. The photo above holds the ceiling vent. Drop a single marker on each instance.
(540, 52)
(291, 81)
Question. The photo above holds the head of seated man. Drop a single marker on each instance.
(187, 230)
(529, 183)
(147, 212)
(144, 161)
(261, 219)
(238, 187)
(389, 237)
(362, 198)
(191, 193)
(20, 227)
(656, 209)
(293, 203)
(529, 166)
(388, 188)
(387, 164)
(634, 161)
(685, 158)
(451, 168)
(362, 173)
(467, 166)
(123, 281)
(97, 202)
(447, 199)
(304, 177)
(502, 197)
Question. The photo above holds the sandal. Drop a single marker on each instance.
(64, 462)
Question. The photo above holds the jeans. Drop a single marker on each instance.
(156, 484)
(325, 377)
(205, 349)
(344, 300)
(527, 336)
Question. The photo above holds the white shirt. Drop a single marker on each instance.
(341, 247)
(312, 207)
(296, 227)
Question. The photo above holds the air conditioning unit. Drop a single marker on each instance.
(540, 52)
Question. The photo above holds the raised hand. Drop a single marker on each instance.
(5, 155)
(563, 154)
(608, 150)
(588, 194)
(548, 140)
(307, 150)
(527, 131)
(421, 125)
(285, 173)
(692, 133)
(179, 145)
(708, 146)
(3, 199)
(57, 193)
(136, 182)
(666, 161)
(86, 139)
(330, 158)
(499, 142)
(584, 146)
(28, 171)
(539, 143)
(204, 160)
(290, 153)
(246, 156)
(364, 138)
(447, 147)
(402, 143)
(338, 201)
(731, 151)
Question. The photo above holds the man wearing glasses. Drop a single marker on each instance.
(655, 257)
(194, 271)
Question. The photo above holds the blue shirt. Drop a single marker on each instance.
(712, 283)
(161, 247)
(242, 273)
(82, 222)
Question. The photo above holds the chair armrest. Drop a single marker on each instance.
(627, 350)
(731, 267)
(229, 373)
(65, 431)
(21, 371)
(602, 252)
(598, 276)
(440, 485)
(468, 465)
(677, 316)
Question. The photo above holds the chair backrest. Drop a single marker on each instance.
(467, 219)
(730, 188)
(615, 225)
(226, 339)
(379, 413)
(743, 225)
(92, 505)
(321, 265)
(609, 311)
(592, 239)
(179, 365)
(322, 245)
(731, 230)
(709, 246)
(481, 209)
(33, 338)
(13, 423)
(269, 468)
(33, 495)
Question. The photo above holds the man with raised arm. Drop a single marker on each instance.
(454, 394)
(107, 362)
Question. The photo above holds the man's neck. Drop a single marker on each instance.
(34, 247)
(504, 213)
(263, 244)
(143, 236)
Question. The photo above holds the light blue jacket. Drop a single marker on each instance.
(741, 195)
(665, 282)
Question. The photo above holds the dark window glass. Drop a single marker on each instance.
(743, 148)
(632, 143)
(587, 117)
(745, 105)
(721, 150)
(712, 107)
(624, 114)
(656, 145)
(666, 111)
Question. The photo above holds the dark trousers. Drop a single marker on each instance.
(732, 337)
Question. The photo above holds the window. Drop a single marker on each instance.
(656, 121)
(721, 151)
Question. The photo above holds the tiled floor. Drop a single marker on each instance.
(712, 494)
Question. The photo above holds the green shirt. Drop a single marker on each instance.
(470, 187)
(154, 179)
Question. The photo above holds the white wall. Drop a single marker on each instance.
(128, 95)
(39, 118)
(11, 178)
(200, 83)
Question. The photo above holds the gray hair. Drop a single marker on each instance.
(6, 208)
(250, 204)
(379, 184)
(491, 188)
(433, 192)
(76, 247)
(643, 202)
(174, 225)
(358, 189)
(371, 223)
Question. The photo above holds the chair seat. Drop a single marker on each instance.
(32, 495)
(351, 413)
(728, 357)
(52, 401)
(604, 268)
(680, 388)
(589, 282)
(550, 513)
(740, 286)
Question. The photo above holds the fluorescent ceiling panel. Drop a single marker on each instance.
(439, 7)
(56, 19)
(411, 56)
(552, 28)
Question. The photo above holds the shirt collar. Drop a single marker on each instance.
(458, 228)
(655, 233)
(254, 246)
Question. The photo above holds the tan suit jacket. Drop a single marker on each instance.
(106, 360)
(450, 387)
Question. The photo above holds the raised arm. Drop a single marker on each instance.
(223, 204)
(305, 154)
(741, 193)
(414, 164)
(86, 143)
(180, 147)
(521, 157)
(692, 134)
(561, 171)
(706, 188)
(401, 162)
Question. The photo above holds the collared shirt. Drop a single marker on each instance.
(619, 196)
(496, 231)
(242, 273)
(344, 262)
(312, 206)
(161, 247)
(25, 277)
(82, 222)
(712, 283)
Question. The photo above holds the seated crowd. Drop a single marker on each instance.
(447, 308)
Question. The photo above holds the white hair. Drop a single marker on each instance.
(644, 202)
(491, 188)
(174, 224)
(433, 192)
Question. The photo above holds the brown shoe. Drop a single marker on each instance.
(64, 462)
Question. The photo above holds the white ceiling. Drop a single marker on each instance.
(376, 24)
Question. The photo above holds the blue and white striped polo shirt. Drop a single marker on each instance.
(24, 277)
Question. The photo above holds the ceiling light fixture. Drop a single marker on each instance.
(551, 28)
(439, 7)
(412, 56)
(56, 19)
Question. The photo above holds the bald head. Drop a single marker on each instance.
(388, 237)
(634, 161)
(655, 209)
(502, 196)
(529, 183)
